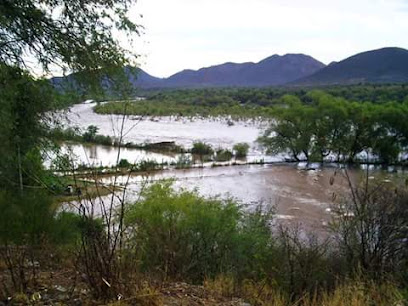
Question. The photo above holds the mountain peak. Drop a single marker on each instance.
(385, 65)
(273, 70)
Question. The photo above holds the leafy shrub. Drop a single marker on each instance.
(27, 225)
(182, 234)
(25, 218)
(90, 133)
(201, 148)
(241, 149)
(103, 140)
(147, 165)
(124, 163)
(223, 155)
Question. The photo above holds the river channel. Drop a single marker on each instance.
(300, 193)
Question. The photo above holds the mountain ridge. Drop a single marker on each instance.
(271, 71)
(384, 65)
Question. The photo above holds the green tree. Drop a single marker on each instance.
(78, 38)
(74, 35)
(23, 102)
(331, 126)
(241, 149)
(90, 133)
(291, 132)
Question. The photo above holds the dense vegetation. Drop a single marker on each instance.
(245, 102)
(347, 124)
(90, 135)
(181, 235)
(166, 235)
(336, 129)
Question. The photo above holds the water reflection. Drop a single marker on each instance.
(98, 155)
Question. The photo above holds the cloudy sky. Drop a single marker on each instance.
(190, 34)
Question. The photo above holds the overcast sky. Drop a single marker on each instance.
(190, 34)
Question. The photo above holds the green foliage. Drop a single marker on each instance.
(90, 133)
(223, 155)
(182, 106)
(329, 126)
(67, 230)
(147, 165)
(25, 219)
(23, 101)
(241, 149)
(371, 225)
(245, 102)
(71, 134)
(291, 131)
(30, 220)
(201, 148)
(124, 163)
(182, 234)
(69, 33)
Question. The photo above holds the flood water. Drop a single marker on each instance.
(183, 131)
(99, 155)
(299, 194)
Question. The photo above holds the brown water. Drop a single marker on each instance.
(299, 195)
(183, 131)
(99, 155)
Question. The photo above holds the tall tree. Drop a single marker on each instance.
(75, 35)
(37, 36)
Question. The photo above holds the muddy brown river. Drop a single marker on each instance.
(300, 193)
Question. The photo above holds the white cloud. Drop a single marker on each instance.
(182, 34)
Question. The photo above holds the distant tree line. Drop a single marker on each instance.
(332, 127)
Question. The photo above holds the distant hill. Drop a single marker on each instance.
(274, 70)
(387, 65)
(141, 79)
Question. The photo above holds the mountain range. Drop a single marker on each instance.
(271, 71)
(386, 65)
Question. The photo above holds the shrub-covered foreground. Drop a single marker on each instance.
(183, 236)
(227, 249)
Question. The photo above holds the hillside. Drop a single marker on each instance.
(387, 65)
(141, 79)
(274, 70)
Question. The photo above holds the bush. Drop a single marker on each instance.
(223, 155)
(90, 133)
(147, 165)
(124, 163)
(103, 140)
(181, 234)
(241, 149)
(201, 148)
(27, 225)
(372, 229)
(25, 218)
